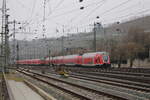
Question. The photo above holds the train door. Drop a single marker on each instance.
(79, 60)
(97, 59)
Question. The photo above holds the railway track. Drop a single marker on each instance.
(137, 72)
(111, 81)
(129, 76)
(56, 86)
(128, 82)
(134, 78)
(127, 73)
(132, 71)
(113, 94)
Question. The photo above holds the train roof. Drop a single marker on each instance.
(92, 54)
(66, 57)
(28, 59)
(70, 56)
(47, 58)
(58, 57)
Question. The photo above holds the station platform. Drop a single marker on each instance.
(22, 92)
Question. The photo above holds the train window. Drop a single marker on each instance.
(105, 58)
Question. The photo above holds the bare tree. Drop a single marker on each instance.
(134, 43)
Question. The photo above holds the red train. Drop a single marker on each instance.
(94, 59)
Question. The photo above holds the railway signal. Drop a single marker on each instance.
(97, 17)
(81, 8)
(80, 0)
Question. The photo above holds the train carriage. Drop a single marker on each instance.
(93, 59)
(98, 59)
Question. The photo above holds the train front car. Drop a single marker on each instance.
(102, 60)
(96, 59)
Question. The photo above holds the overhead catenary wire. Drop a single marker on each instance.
(58, 4)
(72, 10)
(109, 10)
(92, 11)
(29, 20)
(130, 14)
(32, 10)
(20, 3)
(75, 10)
(50, 9)
(126, 9)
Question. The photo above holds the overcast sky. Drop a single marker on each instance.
(67, 14)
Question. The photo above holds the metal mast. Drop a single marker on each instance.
(44, 29)
(4, 37)
(94, 38)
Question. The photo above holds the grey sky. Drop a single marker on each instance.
(67, 13)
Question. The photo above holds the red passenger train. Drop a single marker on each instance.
(94, 59)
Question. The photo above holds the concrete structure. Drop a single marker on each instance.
(22, 92)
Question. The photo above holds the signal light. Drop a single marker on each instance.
(80, 0)
(81, 8)
(97, 17)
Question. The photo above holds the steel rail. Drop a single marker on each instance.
(111, 83)
(110, 93)
(10, 93)
(61, 88)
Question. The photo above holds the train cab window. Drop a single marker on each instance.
(105, 58)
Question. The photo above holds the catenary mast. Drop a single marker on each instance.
(4, 37)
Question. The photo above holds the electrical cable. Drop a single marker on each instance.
(22, 4)
(71, 11)
(92, 11)
(32, 11)
(109, 10)
(128, 15)
(74, 10)
(59, 3)
(50, 10)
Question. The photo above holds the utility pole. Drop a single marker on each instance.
(44, 12)
(7, 51)
(62, 45)
(13, 57)
(14, 41)
(94, 38)
(4, 37)
(62, 42)
(49, 56)
(17, 52)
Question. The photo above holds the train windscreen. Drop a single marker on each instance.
(105, 58)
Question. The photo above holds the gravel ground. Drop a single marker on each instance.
(96, 85)
(90, 94)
